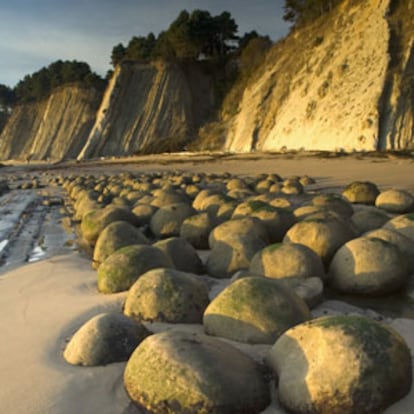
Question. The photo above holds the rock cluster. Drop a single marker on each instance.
(245, 259)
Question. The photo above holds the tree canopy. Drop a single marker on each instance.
(189, 37)
(300, 11)
(7, 97)
(39, 84)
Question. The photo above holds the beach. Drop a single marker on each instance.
(43, 303)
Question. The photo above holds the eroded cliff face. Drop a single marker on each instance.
(54, 129)
(150, 108)
(344, 82)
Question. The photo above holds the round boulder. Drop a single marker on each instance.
(167, 295)
(182, 254)
(233, 254)
(143, 213)
(395, 201)
(368, 266)
(196, 229)
(340, 364)
(114, 236)
(276, 220)
(254, 310)
(323, 236)
(287, 260)
(178, 372)
(405, 244)
(250, 227)
(95, 221)
(361, 192)
(122, 268)
(403, 224)
(368, 218)
(106, 338)
(167, 220)
(164, 197)
(335, 203)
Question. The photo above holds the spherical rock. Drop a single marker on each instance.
(403, 224)
(167, 220)
(405, 244)
(324, 237)
(196, 229)
(254, 310)
(363, 192)
(181, 253)
(122, 268)
(234, 254)
(368, 218)
(276, 220)
(368, 266)
(244, 227)
(395, 201)
(164, 197)
(95, 221)
(106, 338)
(334, 202)
(180, 373)
(143, 213)
(114, 236)
(287, 260)
(167, 295)
(341, 364)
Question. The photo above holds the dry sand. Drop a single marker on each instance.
(42, 304)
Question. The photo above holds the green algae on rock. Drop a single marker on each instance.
(183, 373)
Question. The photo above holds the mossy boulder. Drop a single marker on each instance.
(143, 213)
(181, 253)
(368, 218)
(114, 236)
(196, 229)
(368, 266)
(249, 227)
(167, 220)
(254, 310)
(403, 224)
(167, 295)
(341, 364)
(232, 255)
(181, 373)
(323, 236)
(198, 202)
(86, 201)
(95, 221)
(395, 201)
(277, 221)
(164, 197)
(122, 268)
(106, 338)
(287, 260)
(361, 192)
(404, 244)
(335, 203)
(292, 186)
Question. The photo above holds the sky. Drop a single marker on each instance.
(35, 33)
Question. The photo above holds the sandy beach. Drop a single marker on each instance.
(43, 303)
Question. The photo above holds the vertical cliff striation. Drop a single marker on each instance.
(344, 82)
(151, 107)
(396, 129)
(54, 129)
